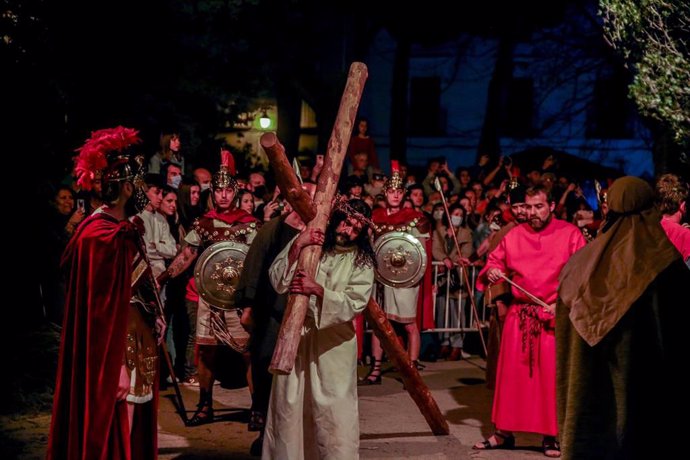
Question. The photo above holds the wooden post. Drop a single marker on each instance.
(286, 178)
(290, 330)
(413, 381)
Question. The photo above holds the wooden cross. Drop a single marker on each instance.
(316, 215)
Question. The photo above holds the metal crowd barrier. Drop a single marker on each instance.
(453, 310)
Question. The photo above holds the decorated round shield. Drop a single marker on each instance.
(401, 259)
(217, 272)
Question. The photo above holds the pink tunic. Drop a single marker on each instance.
(525, 397)
(679, 236)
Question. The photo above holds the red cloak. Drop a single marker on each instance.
(425, 314)
(232, 216)
(88, 422)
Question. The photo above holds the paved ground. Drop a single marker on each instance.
(391, 425)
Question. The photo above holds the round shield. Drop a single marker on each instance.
(217, 272)
(401, 259)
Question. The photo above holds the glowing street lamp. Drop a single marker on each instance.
(264, 120)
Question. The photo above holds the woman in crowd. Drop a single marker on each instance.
(445, 250)
(63, 219)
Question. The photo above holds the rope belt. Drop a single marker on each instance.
(533, 320)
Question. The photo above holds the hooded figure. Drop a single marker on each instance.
(620, 330)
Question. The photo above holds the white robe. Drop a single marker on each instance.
(313, 410)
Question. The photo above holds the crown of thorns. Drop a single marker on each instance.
(341, 204)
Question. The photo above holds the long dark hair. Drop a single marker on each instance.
(186, 212)
(365, 253)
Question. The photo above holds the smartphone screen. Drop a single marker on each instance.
(81, 205)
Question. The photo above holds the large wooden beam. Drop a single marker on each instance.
(414, 384)
(290, 330)
(286, 178)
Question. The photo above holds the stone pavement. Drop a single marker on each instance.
(390, 423)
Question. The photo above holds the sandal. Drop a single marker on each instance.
(374, 375)
(551, 447)
(203, 414)
(507, 443)
(257, 421)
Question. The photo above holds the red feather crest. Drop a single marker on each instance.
(92, 155)
(227, 161)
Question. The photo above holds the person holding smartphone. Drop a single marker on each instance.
(62, 220)
(65, 206)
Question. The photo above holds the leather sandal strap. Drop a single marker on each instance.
(503, 435)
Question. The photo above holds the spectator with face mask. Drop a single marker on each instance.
(203, 177)
(173, 174)
(257, 183)
(444, 250)
(437, 213)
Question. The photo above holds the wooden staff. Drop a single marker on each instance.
(290, 330)
(473, 305)
(286, 179)
(534, 298)
(160, 312)
(414, 384)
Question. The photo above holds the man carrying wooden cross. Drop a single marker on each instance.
(313, 409)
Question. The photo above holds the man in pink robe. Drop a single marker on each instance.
(532, 255)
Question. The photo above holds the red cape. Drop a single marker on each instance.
(232, 217)
(425, 314)
(87, 420)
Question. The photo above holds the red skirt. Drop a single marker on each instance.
(525, 397)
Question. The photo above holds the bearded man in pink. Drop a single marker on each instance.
(532, 255)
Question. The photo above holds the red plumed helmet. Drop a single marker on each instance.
(104, 150)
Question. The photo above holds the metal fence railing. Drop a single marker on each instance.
(452, 305)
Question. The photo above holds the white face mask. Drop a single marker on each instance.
(438, 215)
(175, 181)
(203, 187)
(493, 226)
(456, 220)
